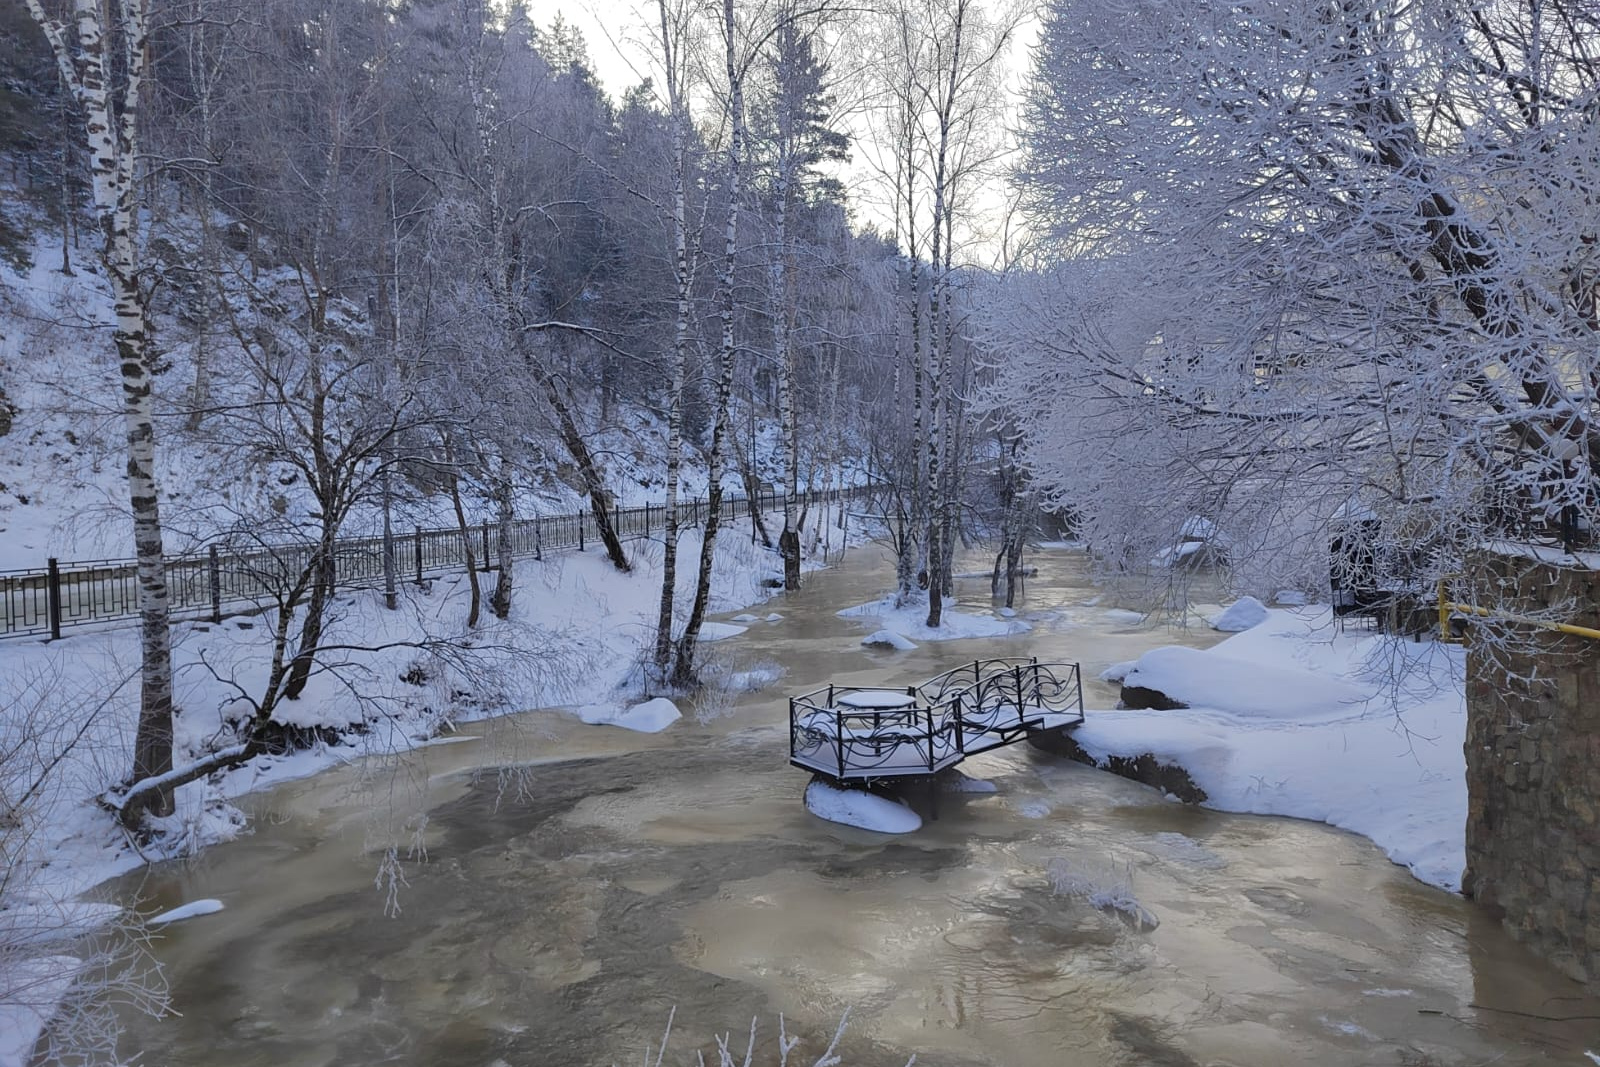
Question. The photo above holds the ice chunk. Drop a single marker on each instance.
(857, 807)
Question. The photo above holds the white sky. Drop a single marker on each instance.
(617, 38)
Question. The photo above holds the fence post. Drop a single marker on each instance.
(418, 543)
(538, 540)
(647, 520)
(580, 531)
(215, 569)
(616, 518)
(486, 548)
(53, 598)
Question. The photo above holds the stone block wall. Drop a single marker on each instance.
(1533, 763)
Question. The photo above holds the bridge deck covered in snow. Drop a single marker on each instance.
(863, 733)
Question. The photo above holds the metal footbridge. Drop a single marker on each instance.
(863, 733)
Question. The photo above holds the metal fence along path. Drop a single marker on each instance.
(47, 600)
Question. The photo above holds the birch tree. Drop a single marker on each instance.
(676, 29)
(101, 53)
(735, 62)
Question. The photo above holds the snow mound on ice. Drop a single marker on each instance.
(720, 631)
(1253, 690)
(1239, 616)
(651, 717)
(774, 617)
(911, 621)
(856, 807)
(746, 617)
(187, 911)
(888, 639)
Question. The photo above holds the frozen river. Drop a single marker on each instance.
(568, 904)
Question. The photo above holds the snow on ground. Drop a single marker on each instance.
(888, 639)
(651, 717)
(41, 982)
(1296, 718)
(187, 911)
(911, 621)
(1239, 616)
(856, 807)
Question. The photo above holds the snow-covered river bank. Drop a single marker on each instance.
(582, 881)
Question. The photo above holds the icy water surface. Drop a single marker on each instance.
(566, 906)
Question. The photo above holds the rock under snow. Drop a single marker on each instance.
(1006, 613)
(857, 807)
(651, 717)
(888, 639)
(746, 617)
(774, 617)
(1289, 598)
(1118, 671)
(1239, 616)
(187, 911)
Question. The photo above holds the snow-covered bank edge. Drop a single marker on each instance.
(1295, 718)
(576, 633)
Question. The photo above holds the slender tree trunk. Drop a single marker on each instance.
(505, 516)
(476, 604)
(683, 275)
(752, 491)
(683, 670)
(781, 283)
(589, 471)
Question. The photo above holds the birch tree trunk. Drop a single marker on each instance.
(683, 276)
(683, 666)
(937, 334)
(111, 138)
(782, 327)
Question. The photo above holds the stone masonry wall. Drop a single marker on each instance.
(1533, 764)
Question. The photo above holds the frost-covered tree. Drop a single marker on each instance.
(1307, 262)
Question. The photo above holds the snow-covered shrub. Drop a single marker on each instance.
(66, 966)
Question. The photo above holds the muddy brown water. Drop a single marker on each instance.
(567, 904)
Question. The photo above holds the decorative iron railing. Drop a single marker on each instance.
(48, 599)
(876, 732)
